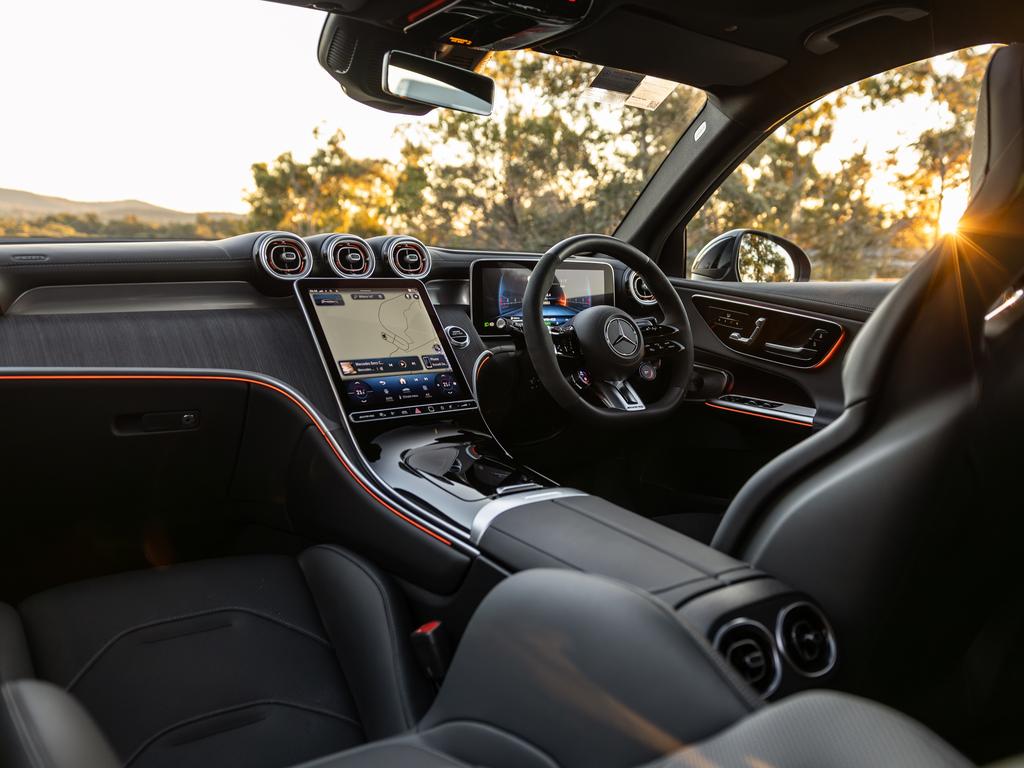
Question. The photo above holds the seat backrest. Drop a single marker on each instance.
(897, 517)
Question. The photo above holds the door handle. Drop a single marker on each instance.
(739, 338)
(802, 353)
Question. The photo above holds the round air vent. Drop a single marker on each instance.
(348, 256)
(748, 647)
(283, 255)
(806, 639)
(639, 291)
(408, 257)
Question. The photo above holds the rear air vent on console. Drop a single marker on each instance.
(407, 256)
(283, 255)
(348, 256)
(806, 639)
(749, 648)
(639, 291)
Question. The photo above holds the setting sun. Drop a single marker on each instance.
(954, 203)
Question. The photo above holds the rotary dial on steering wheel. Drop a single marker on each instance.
(604, 345)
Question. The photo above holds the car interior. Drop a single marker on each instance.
(276, 500)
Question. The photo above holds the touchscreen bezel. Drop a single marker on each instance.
(302, 289)
(475, 287)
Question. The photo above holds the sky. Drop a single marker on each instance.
(169, 103)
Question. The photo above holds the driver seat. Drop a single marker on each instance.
(902, 517)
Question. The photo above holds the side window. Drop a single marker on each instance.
(864, 181)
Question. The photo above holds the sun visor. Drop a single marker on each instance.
(626, 39)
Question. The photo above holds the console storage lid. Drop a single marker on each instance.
(590, 534)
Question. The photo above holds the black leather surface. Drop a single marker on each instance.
(821, 730)
(588, 533)
(366, 620)
(15, 662)
(275, 342)
(41, 726)
(586, 670)
(867, 515)
(225, 661)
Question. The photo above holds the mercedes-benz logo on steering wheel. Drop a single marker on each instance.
(622, 337)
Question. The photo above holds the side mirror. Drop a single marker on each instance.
(751, 256)
(436, 84)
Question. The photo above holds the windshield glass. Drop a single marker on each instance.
(202, 120)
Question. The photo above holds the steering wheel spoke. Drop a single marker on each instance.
(618, 396)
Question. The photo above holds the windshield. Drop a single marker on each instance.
(202, 120)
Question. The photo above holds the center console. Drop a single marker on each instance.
(406, 400)
(411, 413)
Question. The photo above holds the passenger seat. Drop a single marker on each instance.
(262, 661)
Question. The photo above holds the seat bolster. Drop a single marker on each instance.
(15, 662)
(369, 625)
(42, 726)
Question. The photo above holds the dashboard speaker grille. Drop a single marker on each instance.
(283, 255)
(349, 256)
(408, 257)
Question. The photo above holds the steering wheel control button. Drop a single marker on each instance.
(457, 336)
(806, 639)
(581, 379)
(648, 372)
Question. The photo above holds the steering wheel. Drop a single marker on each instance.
(604, 345)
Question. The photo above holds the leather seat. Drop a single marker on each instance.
(557, 669)
(895, 517)
(255, 661)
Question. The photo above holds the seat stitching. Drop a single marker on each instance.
(32, 749)
(237, 708)
(124, 633)
(406, 714)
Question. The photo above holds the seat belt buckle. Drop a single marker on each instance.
(430, 645)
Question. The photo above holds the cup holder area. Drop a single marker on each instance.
(806, 639)
(748, 647)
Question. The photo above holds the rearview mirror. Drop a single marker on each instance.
(436, 84)
(751, 256)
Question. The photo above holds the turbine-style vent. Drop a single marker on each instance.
(349, 256)
(283, 255)
(408, 257)
(639, 290)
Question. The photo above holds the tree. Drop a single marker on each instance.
(333, 192)
(546, 165)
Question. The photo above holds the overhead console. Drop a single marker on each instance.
(495, 25)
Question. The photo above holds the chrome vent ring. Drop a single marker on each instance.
(283, 255)
(407, 257)
(348, 256)
(639, 291)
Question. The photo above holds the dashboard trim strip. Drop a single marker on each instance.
(293, 398)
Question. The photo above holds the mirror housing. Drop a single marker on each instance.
(751, 255)
(433, 83)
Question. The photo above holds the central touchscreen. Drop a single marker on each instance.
(386, 351)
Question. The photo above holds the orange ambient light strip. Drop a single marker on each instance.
(758, 415)
(242, 380)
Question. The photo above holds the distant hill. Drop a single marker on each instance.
(17, 204)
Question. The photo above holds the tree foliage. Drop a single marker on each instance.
(550, 163)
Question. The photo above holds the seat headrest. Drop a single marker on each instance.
(997, 160)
